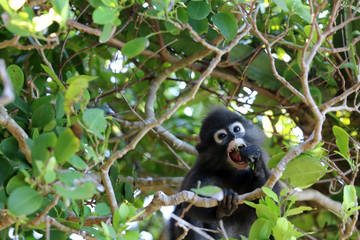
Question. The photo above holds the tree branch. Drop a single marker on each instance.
(7, 122)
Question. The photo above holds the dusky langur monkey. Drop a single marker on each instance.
(229, 145)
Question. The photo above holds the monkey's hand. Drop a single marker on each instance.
(228, 205)
(251, 155)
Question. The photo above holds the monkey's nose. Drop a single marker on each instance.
(236, 143)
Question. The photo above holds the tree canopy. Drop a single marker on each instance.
(102, 100)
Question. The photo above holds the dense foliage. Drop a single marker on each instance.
(102, 101)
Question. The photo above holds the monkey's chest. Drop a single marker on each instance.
(242, 183)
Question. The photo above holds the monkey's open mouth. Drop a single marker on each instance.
(233, 153)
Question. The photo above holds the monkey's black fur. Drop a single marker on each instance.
(214, 167)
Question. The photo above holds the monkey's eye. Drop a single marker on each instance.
(220, 135)
(237, 127)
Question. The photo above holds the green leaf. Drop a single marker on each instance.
(95, 120)
(296, 211)
(42, 145)
(20, 26)
(117, 219)
(17, 77)
(43, 115)
(75, 91)
(280, 228)
(86, 78)
(69, 178)
(15, 182)
(123, 212)
(307, 30)
(50, 126)
(103, 15)
(260, 230)
(353, 60)
(59, 106)
(62, 7)
(198, 10)
(349, 197)
(134, 47)
(274, 160)
(342, 141)
(97, 234)
(199, 26)
(210, 191)
(49, 176)
(132, 235)
(270, 193)
(284, 230)
(284, 192)
(108, 231)
(110, 3)
(351, 211)
(102, 209)
(107, 32)
(24, 201)
(67, 145)
(281, 4)
(170, 27)
(42, 100)
(84, 191)
(317, 95)
(263, 211)
(10, 147)
(53, 76)
(91, 154)
(304, 171)
(182, 15)
(129, 192)
(77, 162)
(304, 12)
(226, 23)
(6, 171)
(22, 105)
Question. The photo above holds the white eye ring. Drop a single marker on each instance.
(237, 127)
(220, 135)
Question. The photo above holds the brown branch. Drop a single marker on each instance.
(109, 189)
(319, 198)
(7, 122)
(97, 32)
(64, 228)
(157, 183)
(187, 226)
(90, 221)
(14, 42)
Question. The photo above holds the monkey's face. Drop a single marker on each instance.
(231, 138)
(222, 134)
